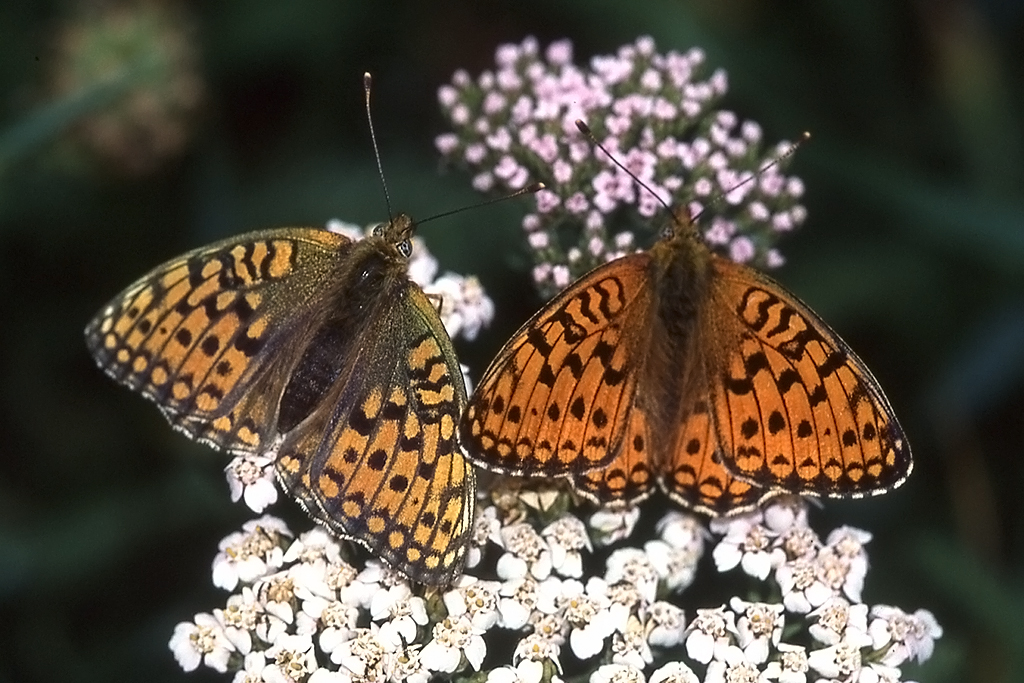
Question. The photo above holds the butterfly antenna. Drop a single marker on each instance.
(529, 189)
(367, 83)
(585, 129)
(788, 152)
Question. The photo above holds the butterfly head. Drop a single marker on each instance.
(398, 233)
(681, 226)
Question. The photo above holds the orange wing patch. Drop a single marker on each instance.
(390, 469)
(190, 336)
(555, 401)
(795, 408)
(629, 477)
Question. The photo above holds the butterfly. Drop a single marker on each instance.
(318, 349)
(678, 368)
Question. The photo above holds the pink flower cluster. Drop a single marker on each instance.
(656, 114)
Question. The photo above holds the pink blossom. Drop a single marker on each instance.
(494, 102)
(741, 250)
(508, 80)
(547, 201)
(559, 53)
(577, 203)
(561, 170)
(448, 96)
(506, 55)
(446, 143)
(500, 140)
(546, 147)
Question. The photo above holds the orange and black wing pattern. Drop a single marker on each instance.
(795, 409)
(694, 473)
(383, 467)
(303, 344)
(556, 400)
(210, 336)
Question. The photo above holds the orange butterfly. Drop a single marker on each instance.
(678, 366)
(303, 344)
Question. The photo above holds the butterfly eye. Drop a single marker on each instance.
(405, 248)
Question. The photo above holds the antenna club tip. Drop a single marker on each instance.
(535, 187)
(805, 136)
(367, 79)
(583, 127)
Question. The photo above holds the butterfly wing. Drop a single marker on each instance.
(555, 401)
(382, 465)
(628, 476)
(211, 336)
(794, 407)
(695, 475)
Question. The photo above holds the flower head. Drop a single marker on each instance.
(143, 57)
(709, 633)
(252, 477)
(758, 626)
(201, 641)
(454, 640)
(250, 554)
(656, 112)
(747, 542)
(526, 553)
(316, 616)
(567, 537)
(903, 636)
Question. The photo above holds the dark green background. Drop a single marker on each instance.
(913, 251)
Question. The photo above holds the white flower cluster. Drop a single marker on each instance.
(655, 113)
(464, 310)
(820, 582)
(304, 613)
(540, 608)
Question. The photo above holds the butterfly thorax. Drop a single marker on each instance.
(681, 274)
(370, 276)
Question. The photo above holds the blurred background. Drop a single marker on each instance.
(133, 131)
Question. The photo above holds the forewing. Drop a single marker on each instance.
(380, 463)
(794, 407)
(554, 402)
(210, 336)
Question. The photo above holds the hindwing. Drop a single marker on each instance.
(382, 465)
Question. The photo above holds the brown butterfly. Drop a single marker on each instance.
(304, 344)
(678, 366)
